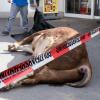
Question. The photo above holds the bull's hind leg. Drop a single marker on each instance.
(54, 76)
(76, 77)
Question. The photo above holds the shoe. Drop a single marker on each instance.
(22, 35)
(12, 35)
(5, 33)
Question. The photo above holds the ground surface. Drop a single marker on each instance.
(47, 92)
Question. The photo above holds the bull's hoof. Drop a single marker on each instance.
(11, 48)
(4, 89)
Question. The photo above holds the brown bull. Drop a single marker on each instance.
(73, 68)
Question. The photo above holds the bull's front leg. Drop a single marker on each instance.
(19, 45)
(13, 47)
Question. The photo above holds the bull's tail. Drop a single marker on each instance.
(87, 74)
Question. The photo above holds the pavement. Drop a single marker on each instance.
(45, 91)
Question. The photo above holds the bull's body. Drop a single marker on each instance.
(72, 68)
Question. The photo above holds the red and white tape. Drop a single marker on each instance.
(20, 71)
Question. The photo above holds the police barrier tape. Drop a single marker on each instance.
(20, 71)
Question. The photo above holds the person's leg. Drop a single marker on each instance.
(24, 18)
(13, 12)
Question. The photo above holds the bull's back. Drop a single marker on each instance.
(50, 38)
(60, 35)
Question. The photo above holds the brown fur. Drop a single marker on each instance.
(69, 68)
